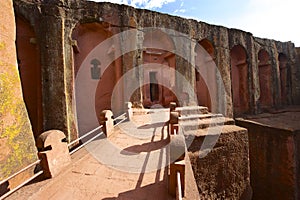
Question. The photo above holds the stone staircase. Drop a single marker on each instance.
(223, 173)
(198, 117)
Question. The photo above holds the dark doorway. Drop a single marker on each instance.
(154, 90)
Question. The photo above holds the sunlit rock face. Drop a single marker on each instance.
(257, 74)
(16, 137)
(65, 89)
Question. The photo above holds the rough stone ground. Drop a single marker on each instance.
(287, 118)
(89, 178)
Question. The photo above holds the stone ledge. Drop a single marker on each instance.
(224, 172)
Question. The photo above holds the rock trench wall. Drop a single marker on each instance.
(58, 58)
(16, 137)
(54, 23)
(274, 167)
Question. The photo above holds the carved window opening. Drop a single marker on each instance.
(283, 67)
(265, 79)
(204, 55)
(239, 80)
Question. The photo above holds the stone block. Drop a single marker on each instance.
(177, 148)
(178, 166)
(173, 123)
(17, 142)
(172, 106)
(129, 110)
(274, 157)
(54, 152)
(224, 172)
(106, 120)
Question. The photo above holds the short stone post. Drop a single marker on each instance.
(173, 123)
(178, 166)
(172, 106)
(177, 156)
(106, 120)
(53, 152)
(177, 148)
(129, 112)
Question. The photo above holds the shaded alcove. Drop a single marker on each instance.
(30, 73)
(283, 67)
(265, 79)
(158, 69)
(170, 94)
(203, 60)
(239, 79)
(94, 82)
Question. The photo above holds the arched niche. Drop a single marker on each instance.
(159, 58)
(265, 79)
(283, 67)
(85, 38)
(202, 60)
(94, 80)
(239, 79)
(28, 55)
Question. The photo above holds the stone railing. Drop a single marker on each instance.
(177, 156)
(55, 153)
(5, 182)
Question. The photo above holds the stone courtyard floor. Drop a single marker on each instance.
(130, 164)
(287, 118)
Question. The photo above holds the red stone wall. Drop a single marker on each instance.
(274, 154)
(87, 37)
(207, 76)
(224, 172)
(239, 80)
(28, 55)
(158, 59)
(265, 80)
(284, 79)
(16, 137)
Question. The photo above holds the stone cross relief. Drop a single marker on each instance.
(95, 70)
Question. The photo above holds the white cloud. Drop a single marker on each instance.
(274, 19)
(180, 11)
(182, 3)
(113, 1)
(147, 4)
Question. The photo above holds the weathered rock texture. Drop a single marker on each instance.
(274, 155)
(16, 137)
(296, 75)
(224, 172)
(67, 30)
(57, 35)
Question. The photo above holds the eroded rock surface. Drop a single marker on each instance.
(16, 138)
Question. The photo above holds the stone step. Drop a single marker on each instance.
(192, 110)
(205, 123)
(225, 129)
(199, 116)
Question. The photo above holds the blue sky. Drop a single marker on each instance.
(273, 19)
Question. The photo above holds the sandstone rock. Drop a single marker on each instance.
(54, 153)
(56, 27)
(274, 153)
(224, 172)
(16, 138)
